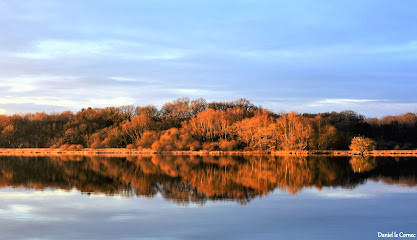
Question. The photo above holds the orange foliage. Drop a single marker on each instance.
(292, 131)
(217, 125)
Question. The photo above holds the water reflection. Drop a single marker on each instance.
(362, 163)
(184, 179)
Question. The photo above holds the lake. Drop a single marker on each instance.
(209, 197)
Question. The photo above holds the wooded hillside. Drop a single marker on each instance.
(185, 124)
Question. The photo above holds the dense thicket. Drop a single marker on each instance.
(185, 124)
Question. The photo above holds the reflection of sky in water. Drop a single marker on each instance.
(329, 213)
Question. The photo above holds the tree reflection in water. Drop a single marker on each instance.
(185, 179)
(362, 163)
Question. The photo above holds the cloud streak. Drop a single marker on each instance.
(53, 49)
(343, 102)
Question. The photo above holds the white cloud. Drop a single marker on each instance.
(341, 49)
(345, 195)
(62, 102)
(76, 92)
(33, 55)
(49, 49)
(38, 100)
(133, 50)
(345, 102)
(367, 107)
(35, 195)
(123, 79)
(192, 91)
(64, 48)
(17, 212)
(370, 189)
(30, 83)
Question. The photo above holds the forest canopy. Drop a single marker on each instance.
(185, 124)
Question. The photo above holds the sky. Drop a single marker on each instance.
(307, 56)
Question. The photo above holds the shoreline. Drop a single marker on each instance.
(130, 152)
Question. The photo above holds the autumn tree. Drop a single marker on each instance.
(177, 109)
(323, 135)
(362, 144)
(133, 129)
(127, 111)
(175, 139)
(292, 132)
(255, 132)
(149, 111)
(197, 105)
(210, 125)
(147, 139)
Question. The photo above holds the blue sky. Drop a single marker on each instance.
(308, 56)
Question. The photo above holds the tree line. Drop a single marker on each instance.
(185, 124)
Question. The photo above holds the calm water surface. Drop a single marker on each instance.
(167, 197)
